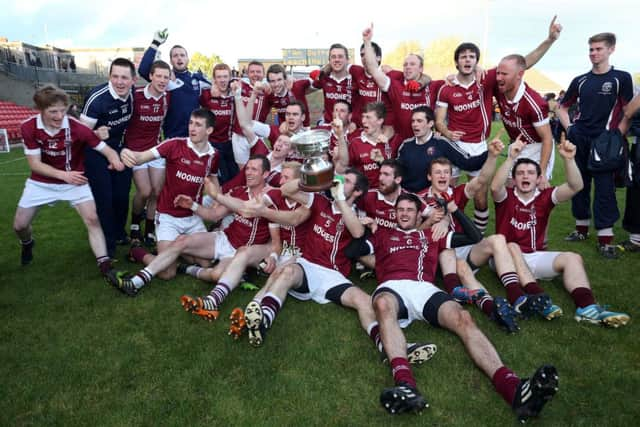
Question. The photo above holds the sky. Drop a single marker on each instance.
(252, 29)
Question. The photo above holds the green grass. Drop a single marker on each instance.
(75, 352)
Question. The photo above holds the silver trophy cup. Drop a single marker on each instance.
(316, 173)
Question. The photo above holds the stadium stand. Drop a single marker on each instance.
(11, 116)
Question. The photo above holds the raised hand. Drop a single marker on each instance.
(495, 147)
(160, 36)
(516, 147)
(555, 29)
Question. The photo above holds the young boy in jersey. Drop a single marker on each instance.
(54, 145)
(522, 216)
(150, 104)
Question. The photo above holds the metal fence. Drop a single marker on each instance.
(39, 75)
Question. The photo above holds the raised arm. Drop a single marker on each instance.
(535, 55)
(544, 132)
(244, 112)
(574, 179)
(498, 185)
(481, 181)
(144, 69)
(370, 63)
(351, 220)
(341, 160)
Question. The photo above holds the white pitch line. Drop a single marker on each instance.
(14, 160)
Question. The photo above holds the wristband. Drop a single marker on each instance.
(194, 206)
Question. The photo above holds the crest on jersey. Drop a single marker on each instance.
(124, 108)
(431, 151)
(606, 87)
(185, 161)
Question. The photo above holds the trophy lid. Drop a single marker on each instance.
(311, 141)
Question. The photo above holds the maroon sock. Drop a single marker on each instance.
(104, 264)
(138, 253)
(486, 304)
(605, 240)
(533, 288)
(270, 307)
(582, 297)
(514, 291)
(402, 371)
(506, 383)
(451, 280)
(149, 227)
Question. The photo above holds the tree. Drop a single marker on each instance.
(438, 55)
(395, 58)
(199, 61)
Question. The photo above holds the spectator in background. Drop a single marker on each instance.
(600, 95)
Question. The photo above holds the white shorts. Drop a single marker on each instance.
(155, 163)
(222, 247)
(533, 152)
(37, 193)
(541, 264)
(414, 296)
(474, 149)
(242, 147)
(319, 280)
(169, 227)
(462, 252)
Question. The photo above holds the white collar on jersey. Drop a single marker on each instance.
(523, 201)
(338, 80)
(466, 86)
(191, 145)
(381, 198)
(113, 93)
(40, 125)
(147, 93)
(364, 139)
(519, 94)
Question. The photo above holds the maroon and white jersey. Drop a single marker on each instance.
(382, 210)
(185, 172)
(368, 92)
(143, 130)
(296, 93)
(223, 107)
(525, 223)
(469, 108)
(272, 180)
(404, 101)
(344, 89)
(360, 150)
(292, 237)
(246, 231)
(64, 150)
(407, 254)
(327, 236)
(526, 111)
(457, 194)
(260, 108)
